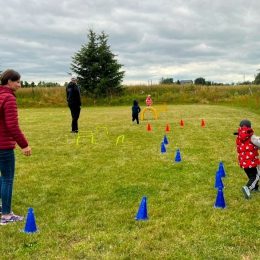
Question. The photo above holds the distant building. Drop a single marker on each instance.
(182, 82)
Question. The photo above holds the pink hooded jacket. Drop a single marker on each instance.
(10, 132)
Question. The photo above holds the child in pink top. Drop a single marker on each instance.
(149, 101)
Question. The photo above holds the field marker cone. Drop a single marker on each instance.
(218, 182)
(220, 201)
(149, 127)
(167, 129)
(202, 123)
(221, 170)
(30, 225)
(165, 140)
(142, 212)
(178, 156)
(163, 149)
(181, 123)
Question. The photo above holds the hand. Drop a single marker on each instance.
(27, 151)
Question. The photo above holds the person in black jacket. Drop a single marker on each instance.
(135, 111)
(74, 102)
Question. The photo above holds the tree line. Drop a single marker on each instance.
(25, 84)
(202, 81)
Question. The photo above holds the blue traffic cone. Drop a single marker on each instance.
(221, 170)
(178, 156)
(163, 149)
(30, 225)
(220, 201)
(218, 182)
(142, 212)
(165, 140)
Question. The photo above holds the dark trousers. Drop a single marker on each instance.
(253, 175)
(75, 112)
(135, 117)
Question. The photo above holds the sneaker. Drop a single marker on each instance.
(246, 192)
(13, 218)
(255, 190)
(74, 132)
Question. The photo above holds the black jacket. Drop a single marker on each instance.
(73, 94)
(135, 108)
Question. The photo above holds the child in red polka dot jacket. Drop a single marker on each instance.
(247, 148)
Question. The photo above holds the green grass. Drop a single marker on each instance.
(85, 197)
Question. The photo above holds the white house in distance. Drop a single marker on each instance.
(182, 82)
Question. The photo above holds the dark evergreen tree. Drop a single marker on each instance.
(97, 67)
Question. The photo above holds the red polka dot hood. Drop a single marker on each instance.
(247, 151)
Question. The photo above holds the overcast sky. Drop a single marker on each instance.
(218, 40)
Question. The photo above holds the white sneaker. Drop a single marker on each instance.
(246, 192)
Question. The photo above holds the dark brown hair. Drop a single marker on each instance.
(9, 74)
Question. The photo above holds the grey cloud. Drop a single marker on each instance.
(152, 38)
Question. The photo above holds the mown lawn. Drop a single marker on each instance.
(85, 197)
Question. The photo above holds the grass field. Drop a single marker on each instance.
(85, 197)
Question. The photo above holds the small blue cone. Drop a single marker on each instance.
(218, 182)
(178, 156)
(163, 149)
(220, 201)
(165, 140)
(30, 225)
(221, 170)
(142, 212)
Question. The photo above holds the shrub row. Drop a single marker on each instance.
(170, 94)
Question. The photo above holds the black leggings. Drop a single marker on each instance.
(253, 175)
(75, 112)
(135, 117)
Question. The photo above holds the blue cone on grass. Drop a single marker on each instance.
(30, 225)
(221, 170)
(163, 149)
(220, 201)
(178, 156)
(142, 212)
(218, 182)
(165, 140)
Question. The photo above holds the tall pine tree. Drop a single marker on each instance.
(97, 67)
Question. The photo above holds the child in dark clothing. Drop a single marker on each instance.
(135, 111)
(247, 148)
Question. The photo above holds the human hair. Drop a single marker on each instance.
(9, 74)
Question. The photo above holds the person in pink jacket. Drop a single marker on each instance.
(149, 101)
(10, 135)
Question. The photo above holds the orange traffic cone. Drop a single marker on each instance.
(149, 127)
(167, 129)
(202, 123)
(182, 123)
